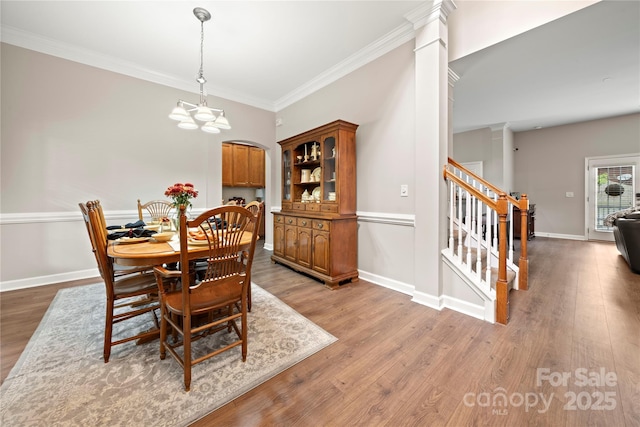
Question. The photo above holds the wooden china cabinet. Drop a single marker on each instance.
(316, 231)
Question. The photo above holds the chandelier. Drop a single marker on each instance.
(201, 111)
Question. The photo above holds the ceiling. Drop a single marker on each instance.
(583, 66)
(271, 53)
(261, 53)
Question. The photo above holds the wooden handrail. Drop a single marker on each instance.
(511, 199)
(501, 207)
(471, 189)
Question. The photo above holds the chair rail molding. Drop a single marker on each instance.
(408, 220)
(51, 217)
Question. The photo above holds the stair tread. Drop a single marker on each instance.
(511, 276)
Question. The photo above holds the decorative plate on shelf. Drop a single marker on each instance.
(316, 193)
(315, 175)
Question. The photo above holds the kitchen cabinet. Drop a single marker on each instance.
(242, 166)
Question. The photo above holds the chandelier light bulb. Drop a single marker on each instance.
(222, 122)
(179, 113)
(188, 123)
(210, 127)
(204, 114)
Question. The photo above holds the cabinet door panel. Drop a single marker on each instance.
(256, 167)
(278, 239)
(290, 246)
(240, 165)
(321, 253)
(304, 246)
(227, 165)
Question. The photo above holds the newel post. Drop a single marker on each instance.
(523, 262)
(502, 288)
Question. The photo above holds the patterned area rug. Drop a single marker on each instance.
(61, 378)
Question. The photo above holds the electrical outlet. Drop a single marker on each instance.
(404, 190)
(569, 194)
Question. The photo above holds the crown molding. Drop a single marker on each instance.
(74, 53)
(383, 45)
(498, 127)
(430, 11)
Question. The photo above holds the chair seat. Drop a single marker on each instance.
(207, 298)
(135, 284)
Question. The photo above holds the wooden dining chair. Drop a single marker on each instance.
(217, 299)
(255, 208)
(129, 294)
(157, 209)
(117, 269)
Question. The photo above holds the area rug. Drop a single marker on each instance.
(61, 378)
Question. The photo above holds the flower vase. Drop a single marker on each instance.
(175, 219)
(176, 222)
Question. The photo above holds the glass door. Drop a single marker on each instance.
(613, 183)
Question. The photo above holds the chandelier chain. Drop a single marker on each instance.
(201, 75)
(185, 112)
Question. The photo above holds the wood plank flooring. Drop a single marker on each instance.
(397, 363)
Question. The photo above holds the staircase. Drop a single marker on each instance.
(480, 247)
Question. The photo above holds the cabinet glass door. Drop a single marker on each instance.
(286, 175)
(307, 173)
(329, 169)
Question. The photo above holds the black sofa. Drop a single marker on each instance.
(626, 230)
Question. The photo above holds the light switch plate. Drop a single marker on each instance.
(569, 194)
(404, 190)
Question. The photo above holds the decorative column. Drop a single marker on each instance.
(431, 148)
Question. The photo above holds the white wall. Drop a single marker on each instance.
(547, 163)
(477, 146)
(379, 97)
(72, 133)
(550, 162)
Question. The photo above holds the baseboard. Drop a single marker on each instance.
(428, 300)
(464, 307)
(32, 282)
(560, 236)
(386, 282)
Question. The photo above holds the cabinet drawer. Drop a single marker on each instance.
(304, 222)
(328, 208)
(298, 206)
(313, 207)
(278, 219)
(321, 225)
(290, 220)
(286, 206)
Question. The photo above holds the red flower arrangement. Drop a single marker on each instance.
(181, 194)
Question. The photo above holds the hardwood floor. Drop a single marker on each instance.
(399, 363)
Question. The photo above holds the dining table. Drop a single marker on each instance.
(147, 252)
(150, 252)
